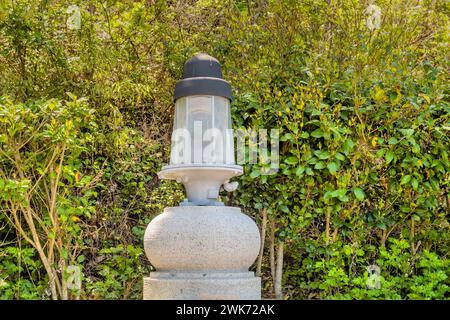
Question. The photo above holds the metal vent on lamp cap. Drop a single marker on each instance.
(202, 75)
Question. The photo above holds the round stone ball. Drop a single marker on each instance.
(202, 238)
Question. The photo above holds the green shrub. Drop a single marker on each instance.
(364, 120)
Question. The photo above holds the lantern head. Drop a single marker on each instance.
(202, 154)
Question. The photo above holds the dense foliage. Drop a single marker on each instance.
(360, 97)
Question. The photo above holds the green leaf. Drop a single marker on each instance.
(339, 156)
(254, 174)
(407, 132)
(405, 179)
(328, 195)
(64, 253)
(405, 208)
(264, 178)
(380, 153)
(381, 225)
(415, 184)
(291, 160)
(416, 148)
(359, 194)
(392, 140)
(300, 170)
(319, 165)
(304, 135)
(286, 137)
(333, 167)
(339, 193)
(348, 146)
(318, 133)
(389, 156)
(322, 154)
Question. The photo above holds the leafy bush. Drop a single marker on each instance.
(41, 190)
(362, 107)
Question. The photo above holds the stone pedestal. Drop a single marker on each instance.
(202, 252)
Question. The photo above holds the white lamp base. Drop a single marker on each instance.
(202, 182)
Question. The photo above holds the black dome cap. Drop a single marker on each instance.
(202, 74)
(202, 65)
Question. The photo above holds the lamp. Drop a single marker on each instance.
(202, 249)
(202, 156)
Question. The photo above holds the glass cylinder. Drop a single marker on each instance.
(202, 131)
